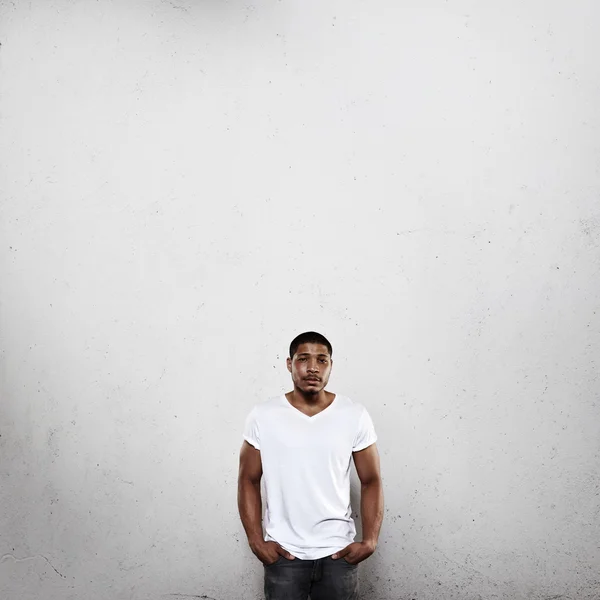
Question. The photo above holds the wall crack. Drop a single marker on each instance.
(4, 557)
(203, 597)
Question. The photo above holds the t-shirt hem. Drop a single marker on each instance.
(322, 553)
(365, 444)
(252, 442)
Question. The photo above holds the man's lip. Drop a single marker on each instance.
(312, 379)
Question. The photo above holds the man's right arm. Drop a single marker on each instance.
(249, 502)
(250, 506)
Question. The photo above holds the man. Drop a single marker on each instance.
(302, 442)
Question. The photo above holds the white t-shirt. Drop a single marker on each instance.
(306, 470)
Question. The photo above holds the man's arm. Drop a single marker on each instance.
(249, 501)
(250, 506)
(371, 496)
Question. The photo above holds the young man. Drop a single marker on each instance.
(303, 442)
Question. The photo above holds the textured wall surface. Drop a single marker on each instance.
(186, 185)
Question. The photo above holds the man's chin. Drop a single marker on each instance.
(311, 390)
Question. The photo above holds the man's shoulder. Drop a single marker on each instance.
(349, 404)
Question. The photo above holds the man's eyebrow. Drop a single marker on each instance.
(309, 354)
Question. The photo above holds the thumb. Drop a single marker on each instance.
(285, 553)
(340, 553)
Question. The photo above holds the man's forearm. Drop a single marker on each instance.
(371, 509)
(250, 509)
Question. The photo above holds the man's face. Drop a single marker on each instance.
(310, 367)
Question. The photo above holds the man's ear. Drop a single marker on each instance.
(289, 364)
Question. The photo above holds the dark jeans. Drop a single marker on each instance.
(323, 579)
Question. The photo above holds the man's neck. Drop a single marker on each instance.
(298, 398)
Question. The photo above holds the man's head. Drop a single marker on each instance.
(310, 362)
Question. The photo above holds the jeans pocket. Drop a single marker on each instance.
(279, 559)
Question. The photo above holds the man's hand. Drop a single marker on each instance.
(355, 552)
(269, 552)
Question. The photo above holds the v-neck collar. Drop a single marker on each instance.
(313, 417)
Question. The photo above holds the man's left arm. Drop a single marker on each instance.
(371, 505)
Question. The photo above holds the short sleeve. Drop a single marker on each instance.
(366, 432)
(251, 434)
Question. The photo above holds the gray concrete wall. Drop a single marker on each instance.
(187, 185)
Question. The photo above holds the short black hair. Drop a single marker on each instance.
(309, 337)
